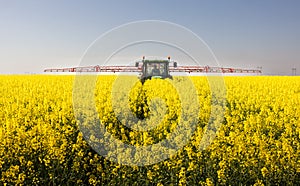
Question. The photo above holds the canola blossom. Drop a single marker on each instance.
(255, 141)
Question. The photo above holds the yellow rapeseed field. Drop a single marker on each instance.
(257, 142)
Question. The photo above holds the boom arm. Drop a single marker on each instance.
(97, 69)
(188, 69)
(208, 69)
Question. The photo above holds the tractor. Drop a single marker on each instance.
(154, 69)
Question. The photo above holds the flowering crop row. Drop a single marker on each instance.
(257, 141)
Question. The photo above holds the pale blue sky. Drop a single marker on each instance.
(38, 34)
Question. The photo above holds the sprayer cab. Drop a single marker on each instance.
(155, 69)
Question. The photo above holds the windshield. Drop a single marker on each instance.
(155, 69)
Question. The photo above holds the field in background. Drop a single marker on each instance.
(258, 142)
